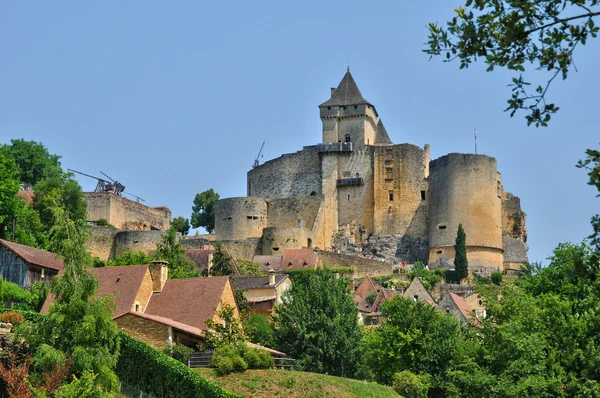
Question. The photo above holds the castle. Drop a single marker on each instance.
(357, 192)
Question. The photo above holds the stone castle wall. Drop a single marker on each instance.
(240, 218)
(276, 239)
(465, 189)
(101, 242)
(513, 218)
(299, 211)
(295, 174)
(124, 213)
(144, 241)
(362, 266)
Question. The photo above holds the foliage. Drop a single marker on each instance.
(371, 297)
(161, 375)
(9, 188)
(62, 193)
(512, 35)
(203, 210)
(13, 295)
(341, 270)
(103, 222)
(238, 357)
(130, 257)
(222, 264)
(414, 337)
(317, 324)
(260, 330)
(249, 267)
(79, 323)
(86, 386)
(39, 292)
(34, 162)
(461, 265)
(410, 385)
(428, 278)
(181, 225)
(496, 277)
(593, 159)
(172, 251)
(242, 303)
(179, 352)
(12, 317)
(226, 330)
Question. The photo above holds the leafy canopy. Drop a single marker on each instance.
(317, 324)
(203, 210)
(514, 35)
(181, 225)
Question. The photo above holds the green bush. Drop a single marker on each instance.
(496, 278)
(241, 358)
(410, 385)
(179, 352)
(239, 365)
(224, 365)
(259, 330)
(371, 297)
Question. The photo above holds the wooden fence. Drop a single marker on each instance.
(201, 359)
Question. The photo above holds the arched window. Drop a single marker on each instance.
(309, 242)
(347, 138)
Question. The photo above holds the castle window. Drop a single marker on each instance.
(357, 175)
(309, 242)
(137, 307)
(313, 193)
(391, 195)
(416, 298)
(355, 106)
(346, 174)
(389, 156)
(499, 189)
(275, 249)
(347, 138)
(290, 264)
(348, 197)
(438, 252)
(344, 107)
(328, 108)
(440, 227)
(389, 173)
(249, 217)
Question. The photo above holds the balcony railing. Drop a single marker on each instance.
(346, 182)
(335, 147)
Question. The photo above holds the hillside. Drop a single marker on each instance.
(287, 383)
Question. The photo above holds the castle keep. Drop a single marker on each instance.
(358, 193)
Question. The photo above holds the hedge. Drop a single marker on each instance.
(153, 372)
(160, 375)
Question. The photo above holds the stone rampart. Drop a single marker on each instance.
(277, 239)
(513, 218)
(124, 213)
(240, 218)
(246, 248)
(144, 241)
(295, 174)
(299, 211)
(101, 242)
(362, 266)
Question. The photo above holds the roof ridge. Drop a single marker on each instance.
(346, 93)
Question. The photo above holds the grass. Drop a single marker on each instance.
(289, 383)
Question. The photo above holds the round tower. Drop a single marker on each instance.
(465, 189)
(240, 218)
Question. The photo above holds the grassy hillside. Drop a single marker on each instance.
(288, 383)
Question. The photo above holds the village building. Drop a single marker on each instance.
(263, 293)
(155, 309)
(25, 265)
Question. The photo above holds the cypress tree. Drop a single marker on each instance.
(460, 254)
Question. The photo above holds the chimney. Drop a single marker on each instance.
(332, 91)
(210, 264)
(271, 277)
(159, 273)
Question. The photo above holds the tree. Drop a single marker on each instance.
(34, 162)
(317, 324)
(227, 330)
(512, 35)
(249, 267)
(260, 330)
(9, 189)
(203, 211)
(180, 224)
(172, 251)
(79, 323)
(461, 265)
(414, 337)
(221, 265)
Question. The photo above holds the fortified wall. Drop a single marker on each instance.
(124, 213)
(358, 193)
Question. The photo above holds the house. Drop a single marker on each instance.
(417, 292)
(289, 260)
(263, 292)
(152, 308)
(454, 305)
(375, 317)
(26, 265)
(366, 288)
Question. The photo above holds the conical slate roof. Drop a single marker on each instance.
(382, 136)
(347, 93)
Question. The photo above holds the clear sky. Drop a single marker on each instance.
(174, 98)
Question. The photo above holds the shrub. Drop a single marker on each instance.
(239, 365)
(224, 365)
(371, 297)
(180, 352)
(241, 357)
(265, 360)
(410, 385)
(12, 317)
(496, 278)
(259, 330)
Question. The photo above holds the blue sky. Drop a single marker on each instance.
(173, 99)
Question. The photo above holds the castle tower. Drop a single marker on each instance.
(348, 117)
(466, 189)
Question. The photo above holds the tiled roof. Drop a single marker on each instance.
(298, 258)
(462, 305)
(27, 196)
(35, 256)
(384, 294)
(347, 93)
(200, 256)
(167, 321)
(122, 281)
(256, 282)
(382, 136)
(189, 301)
(269, 350)
(366, 287)
(361, 304)
(269, 261)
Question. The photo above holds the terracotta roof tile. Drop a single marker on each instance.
(269, 261)
(298, 259)
(167, 321)
(189, 301)
(121, 281)
(366, 287)
(35, 256)
(346, 93)
(462, 305)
